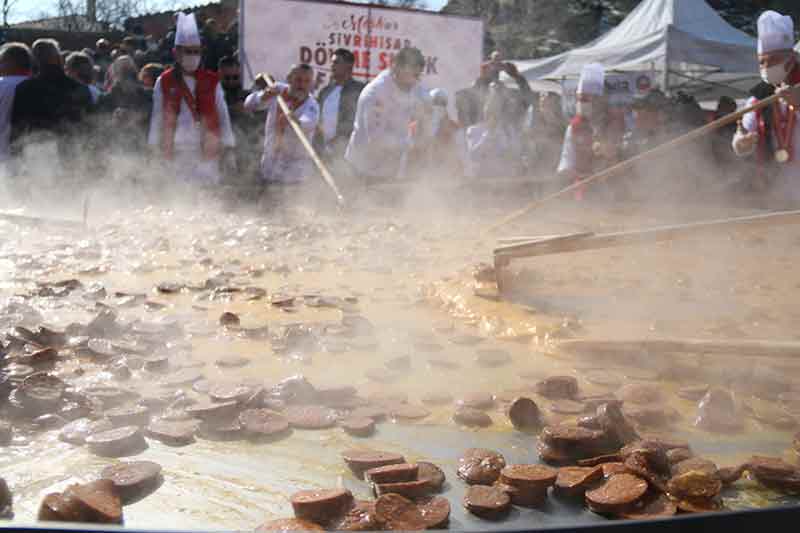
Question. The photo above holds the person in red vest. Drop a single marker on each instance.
(579, 155)
(190, 126)
(772, 135)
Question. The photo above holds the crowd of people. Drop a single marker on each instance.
(181, 101)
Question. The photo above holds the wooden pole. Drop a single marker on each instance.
(743, 348)
(579, 242)
(326, 175)
(629, 163)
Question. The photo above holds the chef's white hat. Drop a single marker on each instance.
(775, 32)
(592, 80)
(186, 33)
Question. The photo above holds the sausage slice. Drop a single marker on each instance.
(133, 478)
(119, 442)
(392, 473)
(491, 503)
(288, 524)
(362, 460)
(321, 506)
(616, 494)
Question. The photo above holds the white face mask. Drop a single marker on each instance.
(584, 109)
(774, 75)
(190, 63)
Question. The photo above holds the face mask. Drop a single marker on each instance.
(774, 75)
(584, 109)
(190, 63)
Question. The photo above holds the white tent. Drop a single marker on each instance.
(686, 42)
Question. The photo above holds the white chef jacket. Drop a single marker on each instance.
(381, 134)
(788, 177)
(8, 87)
(291, 163)
(189, 163)
(330, 113)
(568, 156)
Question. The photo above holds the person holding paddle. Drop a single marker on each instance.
(771, 134)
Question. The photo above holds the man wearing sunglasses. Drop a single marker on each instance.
(388, 105)
(190, 124)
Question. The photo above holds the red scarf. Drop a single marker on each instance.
(203, 108)
(282, 121)
(583, 139)
(763, 146)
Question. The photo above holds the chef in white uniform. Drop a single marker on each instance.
(383, 135)
(285, 160)
(190, 125)
(772, 134)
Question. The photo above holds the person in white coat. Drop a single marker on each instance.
(772, 135)
(190, 125)
(387, 107)
(285, 159)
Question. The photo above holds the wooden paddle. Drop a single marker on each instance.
(629, 163)
(326, 175)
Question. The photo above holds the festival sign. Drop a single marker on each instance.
(279, 33)
(621, 89)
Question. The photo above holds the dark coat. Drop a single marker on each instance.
(347, 112)
(51, 103)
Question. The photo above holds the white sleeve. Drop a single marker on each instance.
(567, 163)
(226, 131)
(154, 135)
(309, 118)
(750, 125)
(255, 102)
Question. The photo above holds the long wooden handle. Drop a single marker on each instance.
(744, 348)
(326, 175)
(628, 163)
(588, 241)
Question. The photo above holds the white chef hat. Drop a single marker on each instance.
(775, 32)
(186, 32)
(592, 80)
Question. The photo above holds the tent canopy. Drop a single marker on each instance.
(685, 41)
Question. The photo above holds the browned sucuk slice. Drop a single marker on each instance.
(467, 416)
(100, 500)
(59, 508)
(491, 503)
(432, 474)
(360, 517)
(612, 469)
(263, 422)
(731, 474)
(408, 412)
(288, 524)
(775, 473)
(398, 513)
(134, 478)
(616, 494)
(358, 427)
(229, 392)
(574, 481)
(409, 489)
(678, 455)
(479, 466)
(699, 506)
(694, 485)
(651, 507)
(208, 410)
(553, 455)
(600, 459)
(558, 387)
(118, 442)
(695, 463)
(173, 432)
(529, 476)
(321, 506)
(134, 415)
(523, 497)
(42, 389)
(78, 430)
(435, 511)
(310, 416)
(392, 473)
(524, 414)
(362, 460)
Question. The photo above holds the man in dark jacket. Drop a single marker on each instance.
(51, 106)
(338, 102)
